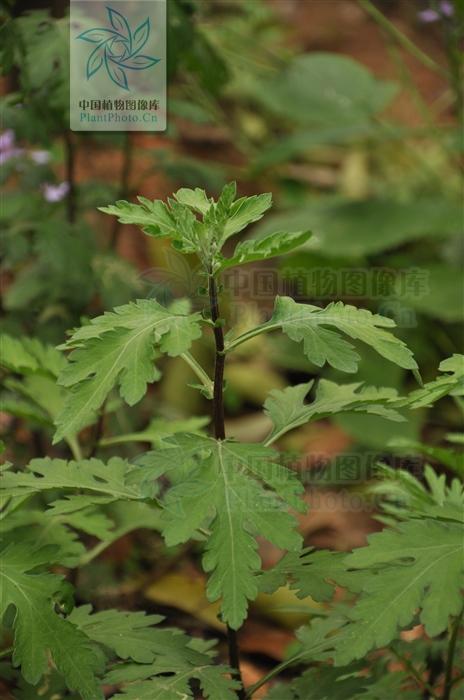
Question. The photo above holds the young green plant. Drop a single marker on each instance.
(221, 493)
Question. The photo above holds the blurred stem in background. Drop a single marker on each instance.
(124, 189)
(453, 34)
(71, 203)
(453, 31)
(58, 10)
(401, 38)
(450, 657)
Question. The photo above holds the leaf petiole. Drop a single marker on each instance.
(200, 373)
(250, 334)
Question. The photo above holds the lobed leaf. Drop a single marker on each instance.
(246, 211)
(306, 323)
(265, 248)
(38, 629)
(449, 458)
(348, 683)
(417, 565)
(119, 349)
(35, 529)
(309, 573)
(239, 492)
(450, 382)
(14, 356)
(108, 480)
(135, 636)
(287, 410)
(153, 218)
(196, 199)
(407, 497)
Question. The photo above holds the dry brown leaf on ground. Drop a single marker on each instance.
(185, 591)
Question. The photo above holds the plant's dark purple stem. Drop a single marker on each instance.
(220, 434)
(218, 398)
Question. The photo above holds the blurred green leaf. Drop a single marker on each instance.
(325, 89)
(357, 229)
(438, 296)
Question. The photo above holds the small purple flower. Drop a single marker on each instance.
(447, 8)
(55, 193)
(40, 157)
(7, 140)
(7, 155)
(429, 15)
(7, 146)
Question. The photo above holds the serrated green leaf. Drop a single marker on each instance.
(39, 630)
(91, 520)
(327, 683)
(126, 516)
(14, 356)
(392, 685)
(77, 503)
(417, 565)
(449, 458)
(350, 683)
(305, 323)
(35, 396)
(159, 687)
(213, 681)
(316, 640)
(287, 410)
(240, 492)
(246, 211)
(134, 635)
(108, 480)
(49, 359)
(407, 497)
(225, 201)
(35, 529)
(215, 685)
(205, 235)
(119, 348)
(21, 408)
(309, 573)
(196, 199)
(42, 399)
(265, 248)
(153, 218)
(280, 692)
(451, 382)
